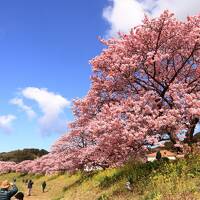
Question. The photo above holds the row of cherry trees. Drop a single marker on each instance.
(144, 84)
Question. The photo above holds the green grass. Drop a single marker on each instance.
(161, 180)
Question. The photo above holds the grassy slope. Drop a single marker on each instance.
(73, 187)
(153, 181)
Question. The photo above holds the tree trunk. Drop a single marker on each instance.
(190, 133)
(172, 137)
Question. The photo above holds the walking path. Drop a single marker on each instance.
(39, 196)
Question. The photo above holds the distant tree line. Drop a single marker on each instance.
(21, 155)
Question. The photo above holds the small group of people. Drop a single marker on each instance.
(9, 190)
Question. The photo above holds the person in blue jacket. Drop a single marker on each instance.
(7, 190)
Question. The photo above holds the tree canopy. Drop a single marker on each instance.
(144, 84)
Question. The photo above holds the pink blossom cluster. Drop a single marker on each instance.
(6, 167)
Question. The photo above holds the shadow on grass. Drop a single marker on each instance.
(84, 177)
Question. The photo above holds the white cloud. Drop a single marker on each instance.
(182, 8)
(6, 121)
(122, 15)
(52, 106)
(20, 103)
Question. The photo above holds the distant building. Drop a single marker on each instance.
(164, 153)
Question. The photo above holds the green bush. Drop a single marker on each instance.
(130, 179)
(165, 159)
(107, 181)
(65, 188)
(22, 175)
(158, 155)
(38, 176)
(153, 196)
(135, 172)
(103, 197)
(164, 177)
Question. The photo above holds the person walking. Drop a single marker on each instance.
(19, 196)
(7, 190)
(30, 186)
(14, 180)
(44, 184)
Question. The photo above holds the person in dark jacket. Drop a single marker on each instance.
(29, 186)
(14, 180)
(44, 184)
(19, 196)
(7, 190)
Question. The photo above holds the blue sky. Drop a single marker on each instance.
(45, 48)
(44, 44)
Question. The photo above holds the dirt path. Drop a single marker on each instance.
(54, 189)
(40, 196)
(36, 195)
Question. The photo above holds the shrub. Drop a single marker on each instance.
(107, 181)
(22, 175)
(153, 196)
(103, 197)
(130, 179)
(165, 159)
(158, 155)
(64, 188)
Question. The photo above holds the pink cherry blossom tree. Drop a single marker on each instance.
(144, 84)
(6, 167)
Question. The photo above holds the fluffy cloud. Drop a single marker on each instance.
(51, 105)
(27, 109)
(6, 121)
(122, 15)
(182, 8)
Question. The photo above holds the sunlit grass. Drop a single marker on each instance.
(152, 181)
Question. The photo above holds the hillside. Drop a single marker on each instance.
(161, 180)
(21, 155)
